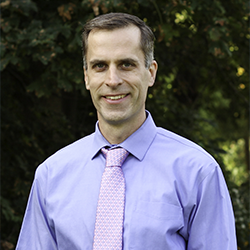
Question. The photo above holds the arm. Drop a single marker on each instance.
(211, 224)
(36, 233)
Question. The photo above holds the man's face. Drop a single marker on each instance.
(117, 77)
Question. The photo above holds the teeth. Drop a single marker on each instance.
(115, 97)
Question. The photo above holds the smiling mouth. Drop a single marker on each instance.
(117, 97)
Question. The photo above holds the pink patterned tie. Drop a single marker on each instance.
(110, 208)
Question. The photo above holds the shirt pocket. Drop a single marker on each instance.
(154, 225)
(158, 210)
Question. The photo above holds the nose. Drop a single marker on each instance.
(113, 78)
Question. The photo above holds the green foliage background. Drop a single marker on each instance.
(201, 91)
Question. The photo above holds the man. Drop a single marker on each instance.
(175, 193)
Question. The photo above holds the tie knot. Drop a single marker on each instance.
(115, 157)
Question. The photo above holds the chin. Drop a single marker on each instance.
(115, 117)
(117, 120)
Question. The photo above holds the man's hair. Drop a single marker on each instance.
(113, 21)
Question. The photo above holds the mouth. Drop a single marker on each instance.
(115, 97)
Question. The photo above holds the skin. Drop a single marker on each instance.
(118, 80)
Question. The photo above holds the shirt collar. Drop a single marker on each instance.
(137, 144)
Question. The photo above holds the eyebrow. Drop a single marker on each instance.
(96, 61)
(129, 60)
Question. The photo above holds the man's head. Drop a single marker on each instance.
(113, 21)
(119, 69)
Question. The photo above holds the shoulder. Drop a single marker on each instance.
(180, 144)
(77, 148)
(68, 156)
(185, 156)
(187, 162)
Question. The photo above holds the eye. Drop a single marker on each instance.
(127, 65)
(99, 66)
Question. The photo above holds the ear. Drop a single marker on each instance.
(86, 79)
(152, 70)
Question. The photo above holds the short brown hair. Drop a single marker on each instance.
(113, 21)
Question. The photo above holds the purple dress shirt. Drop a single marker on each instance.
(176, 196)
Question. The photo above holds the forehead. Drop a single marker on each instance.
(126, 40)
(127, 30)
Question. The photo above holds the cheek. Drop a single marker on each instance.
(144, 91)
(90, 84)
(140, 93)
(95, 80)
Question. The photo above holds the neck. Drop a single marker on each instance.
(117, 133)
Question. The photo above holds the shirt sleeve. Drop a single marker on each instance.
(211, 224)
(36, 233)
